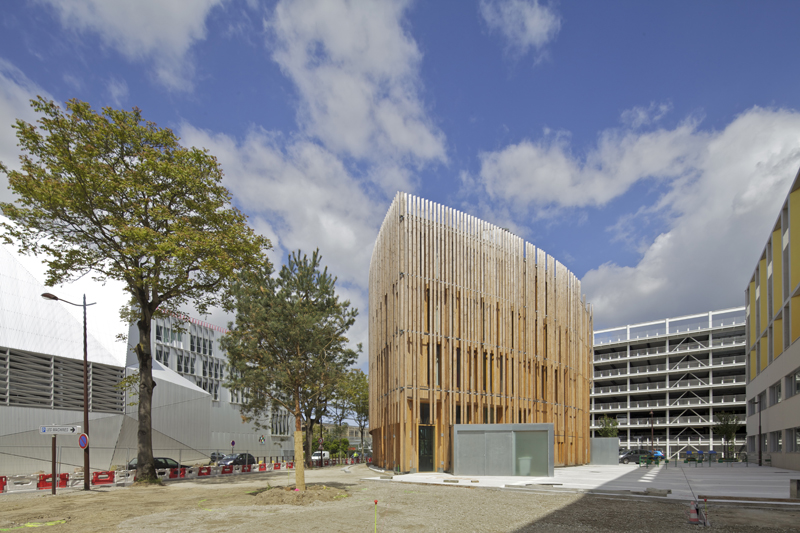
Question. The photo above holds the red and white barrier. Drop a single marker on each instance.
(46, 481)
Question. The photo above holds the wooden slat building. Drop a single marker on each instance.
(469, 324)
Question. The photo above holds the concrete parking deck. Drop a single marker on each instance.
(686, 482)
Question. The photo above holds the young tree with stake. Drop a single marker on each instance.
(288, 346)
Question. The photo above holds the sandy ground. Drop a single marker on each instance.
(243, 504)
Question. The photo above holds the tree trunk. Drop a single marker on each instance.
(309, 444)
(145, 466)
(299, 463)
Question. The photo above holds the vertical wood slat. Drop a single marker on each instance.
(445, 284)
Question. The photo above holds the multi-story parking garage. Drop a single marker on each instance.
(667, 379)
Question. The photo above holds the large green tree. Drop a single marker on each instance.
(608, 426)
(727, 426)
(358, 394)
(116, 197)
(288, 346)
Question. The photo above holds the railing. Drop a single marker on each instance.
(612, 388)
(609, 406)
(689, 420)
(649, 351)
(728, 380)
(729, 341)
(610, 356)
(612, 372)
(648, 403)
(690, 401)
(730, 398)
(687, 346)
(648, 369)
(688, 383)
(649, 386)
(688, 364)
(645, 421)
(732, 360)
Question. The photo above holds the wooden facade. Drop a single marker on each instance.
(469, 324)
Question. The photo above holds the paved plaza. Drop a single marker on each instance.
(686, 481)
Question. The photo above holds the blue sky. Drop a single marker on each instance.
(648, 146)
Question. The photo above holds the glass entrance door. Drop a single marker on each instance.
(426, 441)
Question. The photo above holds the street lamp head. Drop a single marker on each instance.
(49, 296)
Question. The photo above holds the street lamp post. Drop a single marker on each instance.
(49, 296)
(651, 431)
(760, 438)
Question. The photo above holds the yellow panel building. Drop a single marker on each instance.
(772, 297)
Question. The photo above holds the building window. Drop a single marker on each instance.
(210, 347)
(216, 391)
(159, 335)
(751, 407)
(191, 368)
(797, 439)
(205, 347)
(191, 343)
(205, 368)
(159, 354)
(794, 384)
(180, 363)
(775, 394)
(216, 369)
(777, 441)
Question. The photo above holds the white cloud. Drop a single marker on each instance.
(117, 91)
(721, 209)
(525, 25)
(161, 31)
(545, 173)
(356, 70)
(722, 191)
(301, 196)
(16, 91)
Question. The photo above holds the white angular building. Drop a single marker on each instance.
(41, 383)
(682, 370)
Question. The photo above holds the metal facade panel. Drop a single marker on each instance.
(498, 450)
(471, 446)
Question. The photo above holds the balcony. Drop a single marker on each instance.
(610, 373)
(729, 341)
(610, 406)
(648, 386)
(644, 404)
(728, 380)
(610, 356)
(649, 351)
(611, 389)
(729, 398)
(685, 383)
(688, 346)
(684, 365)
(728, 361)
(689, 401)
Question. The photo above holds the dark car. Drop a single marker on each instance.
(216, 456)
(161, 463)
(237, 459)
(633, 456)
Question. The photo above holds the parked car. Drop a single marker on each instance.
(316, 456)
(634, 455)
(161, 463)
(237, 459)
(216, 456)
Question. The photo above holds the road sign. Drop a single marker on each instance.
(83, 441)
(319, 441)
(58, 430)
(262, 439)
(233, 443)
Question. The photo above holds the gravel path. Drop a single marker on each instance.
(227, 505)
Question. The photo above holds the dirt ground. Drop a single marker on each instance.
(342, 501)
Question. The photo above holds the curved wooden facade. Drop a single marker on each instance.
(469, 324)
